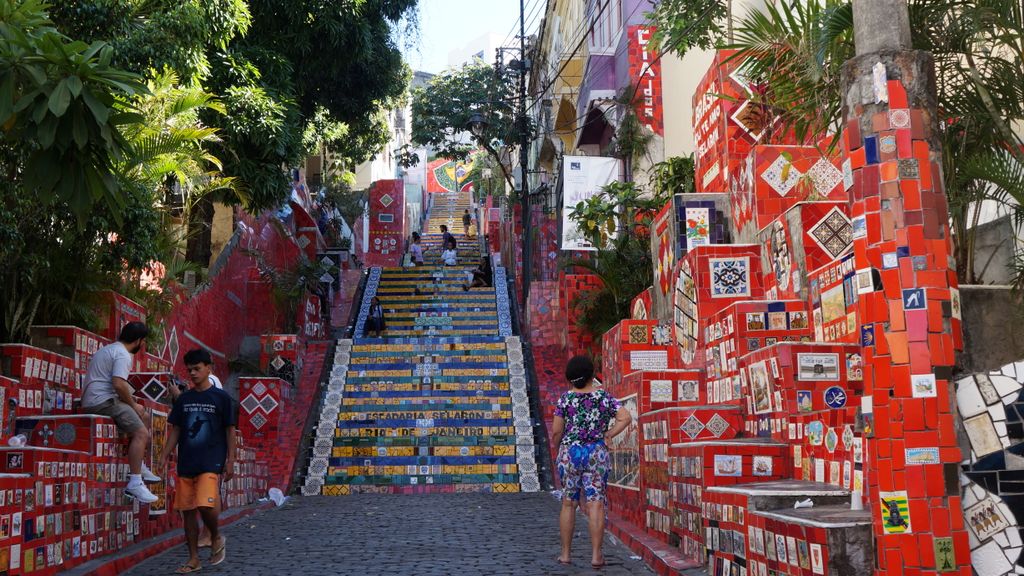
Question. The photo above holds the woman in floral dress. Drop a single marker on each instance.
(581, 431)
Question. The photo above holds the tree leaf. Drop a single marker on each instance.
(60, 98)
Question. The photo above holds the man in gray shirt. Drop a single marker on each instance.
(107, 392)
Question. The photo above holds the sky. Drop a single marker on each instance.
(447, 25)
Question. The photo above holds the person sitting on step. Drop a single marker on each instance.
(482, 275)
(107, 392)
(375, 320)
(450, 257)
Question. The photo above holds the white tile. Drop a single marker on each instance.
(968, 398)
(989, 560)
(1005, 385)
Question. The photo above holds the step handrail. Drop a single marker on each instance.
(542, 450)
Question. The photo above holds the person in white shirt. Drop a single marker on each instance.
(450, 257)
(107, 392)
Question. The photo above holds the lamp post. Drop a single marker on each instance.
(524, 140)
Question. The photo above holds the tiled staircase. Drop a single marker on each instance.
(439, 404)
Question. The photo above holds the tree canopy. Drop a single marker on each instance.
(120, 118)
(442, 109)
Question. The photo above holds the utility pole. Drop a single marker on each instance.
(524, 141)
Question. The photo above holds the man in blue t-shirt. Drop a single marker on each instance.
(202, 427)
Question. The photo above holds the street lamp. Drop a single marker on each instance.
(477, 124)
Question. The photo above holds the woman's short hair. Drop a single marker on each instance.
(579, 371)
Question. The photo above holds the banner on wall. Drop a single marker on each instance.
(645, 70)
(582, 178)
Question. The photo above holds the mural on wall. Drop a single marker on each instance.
(625, 450)
(445, 175)
(991, 412)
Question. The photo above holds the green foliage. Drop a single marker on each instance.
(59, 103)
(486, 177)
(685, 24)
(674, 175)
(289, 285)
(59, 249)
(617, 221)
(617, 209)
(625, 269)
(796, 51)
(342, 54)
(156, 33)
(442, 109)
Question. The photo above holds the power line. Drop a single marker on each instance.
(622, 27)
(533, 13)
(647, 67)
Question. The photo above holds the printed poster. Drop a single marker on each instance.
(625, 450)
(584, 176)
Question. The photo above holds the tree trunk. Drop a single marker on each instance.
(199, 249)
(880, 25)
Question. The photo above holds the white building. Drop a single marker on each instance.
(481, 49)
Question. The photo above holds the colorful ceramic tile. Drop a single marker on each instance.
(689, 391)
(692, 427)
(817, 366)
(717, 425)
(835, 397)
(697, 228)
(914, 299)
(815, 433)
(985, 518)
(922, 456)
(762, 466)
(760, 387)
(730, 277)
(945, 561)
(781, 175)
(728, 465)
(831, 441)
(661, 391)
(895, 509)
(804, 401)
(923, 386)
(817, 563)
(833, 233)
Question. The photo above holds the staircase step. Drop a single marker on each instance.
(430, 406)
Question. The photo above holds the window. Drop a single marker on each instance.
(385, 217)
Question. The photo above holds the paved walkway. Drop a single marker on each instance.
(425, 535)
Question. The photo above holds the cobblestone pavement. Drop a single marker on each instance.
(422, 535)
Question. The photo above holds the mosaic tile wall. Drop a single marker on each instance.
(724, 128)
(908, 305)
(60, 496)
(991, 415)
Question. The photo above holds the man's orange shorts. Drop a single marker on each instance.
(201, 491)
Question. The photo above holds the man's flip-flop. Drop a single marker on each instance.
(219, 553)
(187, 568)
(565, 562)
(598, 566)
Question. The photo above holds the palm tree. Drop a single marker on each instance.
(795, 53)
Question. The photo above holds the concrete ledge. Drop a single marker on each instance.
(659, 556)
(114, 564)
(782, 488)
(730, 442)
(829, 517)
